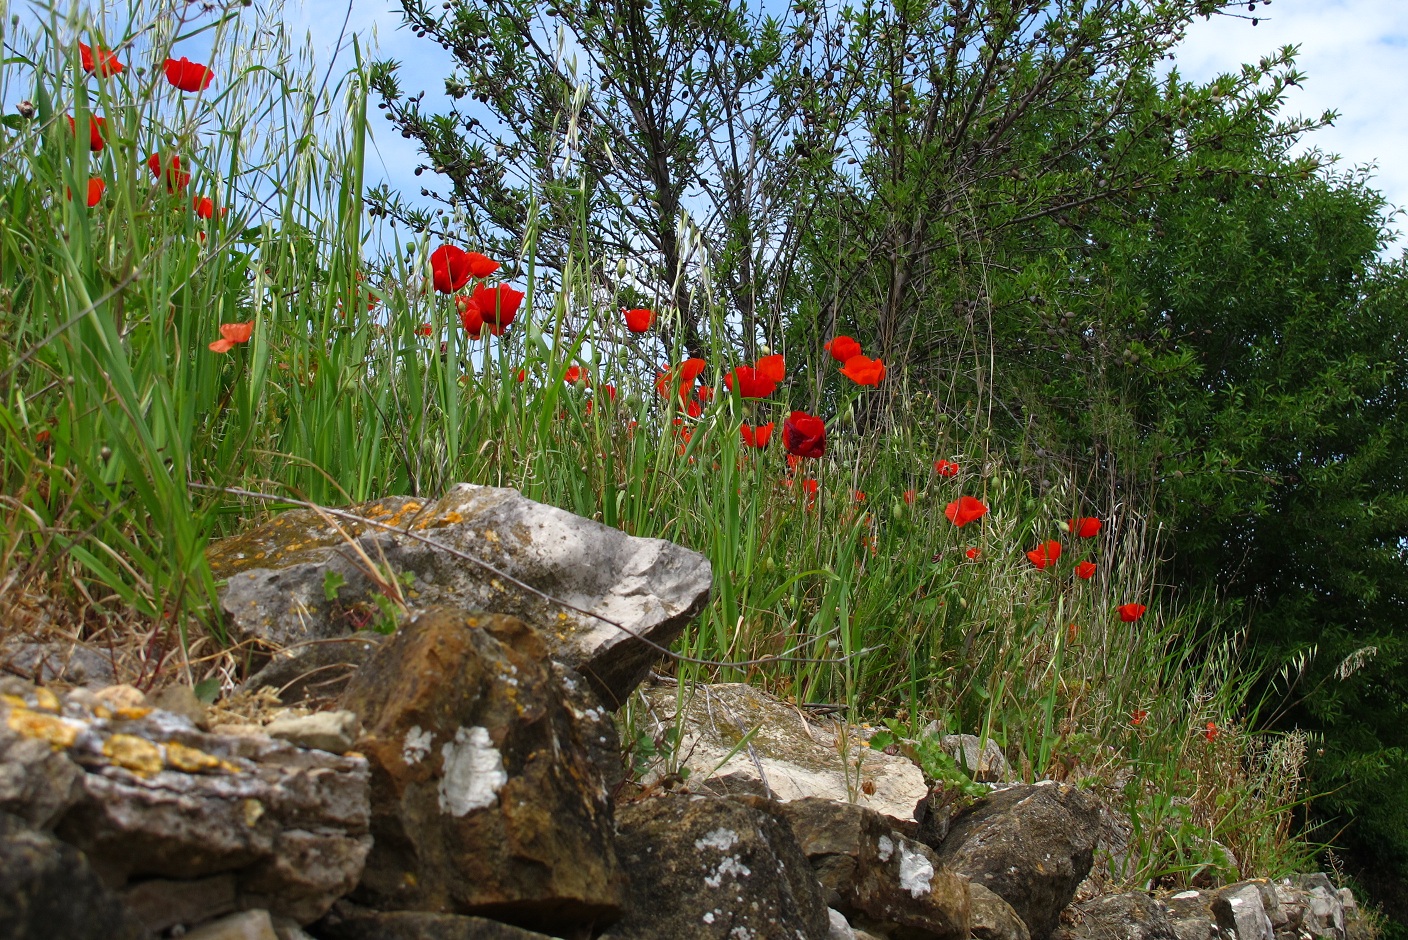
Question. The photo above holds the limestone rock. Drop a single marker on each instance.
(1029, 845)
(246, 925)
(1313, 908)
(1135, 915)
(702, 867)
(788, 757)
(484, 801)
(47, 889)
(992, 918)
(275, 592)
(316, 670)
(982, 760)
(1190, 914)
(157, 798)
(48, 661)
(880, 880)
(161, 903)
(349, 922)
(839, 928)
(1239, 910)
(333, 731)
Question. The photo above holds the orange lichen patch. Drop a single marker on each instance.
(132, 753)
(491, 536)
(191, 760)
(51, 728)
(46, 701)
(131, 712)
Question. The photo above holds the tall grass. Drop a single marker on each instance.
(119, 427)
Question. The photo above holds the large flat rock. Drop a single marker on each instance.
(277, 574)
(786, 756)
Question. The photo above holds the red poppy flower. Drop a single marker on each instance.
(640, 320)
(909, 497)
(97, 127)
(480, 266)
(99, 61)
(692, 368)
(858, 495)
(470, 317)
(1137, 716)
(756, 437)
(682, 377)
(1087, 527)
(1211, 732)
(750, 383)
(522, 376)
(423, 330)
(449, 268)
(205, 207)
(693, 408)
(704, 393)
(842, 348)
(793, 461)
(1131, 612)
(1045, 554)
(804, 435)
(973, 553)
(176, 178)
(96, 188)
(864, 371)
(232, 334)
(498, 305)
(573, 375)
(772, 367)
(42, 437)
(187, 75)
(1085, 570)
(965, 509)
(608, 390)
(810, 486)
(945, 469)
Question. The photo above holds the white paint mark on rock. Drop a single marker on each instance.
(721, 839)
(417, 745)
(916, 872)
(473, 772)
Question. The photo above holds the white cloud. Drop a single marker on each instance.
(1354, 54)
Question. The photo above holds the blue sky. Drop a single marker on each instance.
(1354, 53)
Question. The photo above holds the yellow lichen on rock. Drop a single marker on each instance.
(31, 724)
(191, 760)
(132, 753)
(253, 812)
(46, 700)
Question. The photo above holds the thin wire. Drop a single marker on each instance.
(498, 573)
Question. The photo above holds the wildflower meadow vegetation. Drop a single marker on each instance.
(1014, 503)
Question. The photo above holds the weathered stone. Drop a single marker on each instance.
(160, 903)
(1238, 909)
(159, 799)
(316, 670)
(68, 662)
(1311, 907)
(38, 783)
(1132, 916)
(120, 696)
(702, 867)
(839, 928)
(787, 757)
(880, 880)
(991, 918)
(1029, 845)
(181, 700)
(1111, 864)
(275, 592)
(935, 813)
(349, 922)
(484, 800)
(334, 731)
(982, 760)
(246, 925)
(601, 741)
(48, 890)
(1190, 914)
